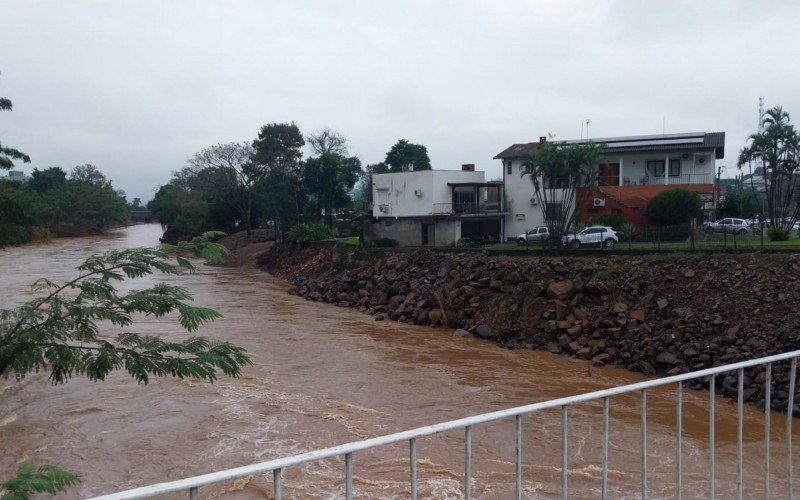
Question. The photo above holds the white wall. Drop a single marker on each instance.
(413, 194)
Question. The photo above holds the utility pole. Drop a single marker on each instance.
(715, 195)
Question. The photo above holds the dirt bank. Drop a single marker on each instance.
(659, 316)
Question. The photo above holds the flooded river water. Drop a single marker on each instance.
(325, 375)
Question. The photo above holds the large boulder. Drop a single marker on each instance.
(483, 332)
(562, 289)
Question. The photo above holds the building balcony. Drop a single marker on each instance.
(466, 208)
(649, 179)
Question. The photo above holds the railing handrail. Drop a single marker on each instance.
(343, 449)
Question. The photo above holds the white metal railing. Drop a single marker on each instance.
(278, 465)
(650, 179)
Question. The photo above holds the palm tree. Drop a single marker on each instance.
(776, 147)
(558, 171)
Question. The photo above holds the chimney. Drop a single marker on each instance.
(468, 167)
(542, 140)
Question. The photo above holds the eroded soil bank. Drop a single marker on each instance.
(659, 316)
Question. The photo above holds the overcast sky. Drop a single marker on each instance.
(137, 87)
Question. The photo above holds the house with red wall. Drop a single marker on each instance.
(633, 170)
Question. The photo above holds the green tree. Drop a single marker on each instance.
(19, 208)
(86, 203)
(89, 174)
(282, 193)
(674, 206)
(182, 213)
(59, 332)
(558, 171)
(234, 175)
(737, 205)
(8, 154)
(47, 179)
(329, 178)
(404, 153)
(777, 147)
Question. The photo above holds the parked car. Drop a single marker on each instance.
(729, 225)
(537, 234)
(594, 235)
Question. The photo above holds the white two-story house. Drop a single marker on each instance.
(633, 171)
(436, 207)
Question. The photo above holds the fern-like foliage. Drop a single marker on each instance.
(59, 330)
(30, 480)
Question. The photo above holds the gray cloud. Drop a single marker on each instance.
(136, 87)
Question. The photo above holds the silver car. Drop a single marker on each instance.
(537, 234)
(729, 225)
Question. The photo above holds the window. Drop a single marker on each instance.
(656, 167)
(674, 168)
(542, 230)
(509, 169)
(553, 211)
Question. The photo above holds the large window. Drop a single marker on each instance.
(656, 168)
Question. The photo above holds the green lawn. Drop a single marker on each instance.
(711, 241)
(350, 240)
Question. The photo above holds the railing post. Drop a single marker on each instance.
(739, 424)
(412, 458)
(604, 484)
(767, 413)
(518, 457)
(193, 493)
(789, 417)
(644, 443)
(468, 462)
(276, 483)
(711, 452)
(678, 437)
(348, 471)
(564, 452)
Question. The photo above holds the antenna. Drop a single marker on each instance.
(588, 122)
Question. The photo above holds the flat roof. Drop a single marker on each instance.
(658, 143)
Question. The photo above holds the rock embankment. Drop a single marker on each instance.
(655, 316)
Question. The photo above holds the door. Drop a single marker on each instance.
(428, 234)
(608, 174)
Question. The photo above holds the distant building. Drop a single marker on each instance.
(636, 169)
(17, 175)
(436, 207)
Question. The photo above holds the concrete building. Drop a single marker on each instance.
(634, 170)
(436, 207)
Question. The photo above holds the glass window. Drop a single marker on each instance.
(674, 168)
(542, 230)
(656, 167)
(727, 222)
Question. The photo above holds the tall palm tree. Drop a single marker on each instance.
(558, 171)
(776, 146)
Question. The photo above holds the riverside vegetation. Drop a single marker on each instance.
(657, 316)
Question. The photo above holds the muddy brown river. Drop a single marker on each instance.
(324, 376)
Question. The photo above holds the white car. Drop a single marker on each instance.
(595, 235)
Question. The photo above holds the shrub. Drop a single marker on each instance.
(611, 220)
(12, 234)
(778, 234)
(385, 243)
(303, 234)
(674, 206)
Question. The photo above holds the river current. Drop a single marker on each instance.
(325, 375)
